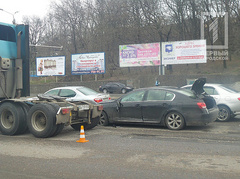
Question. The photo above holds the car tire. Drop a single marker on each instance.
(123, 91)
(94, 122)
(174, 121)
(224, 113)
(103, 119)
(76, 127)
(105, 91)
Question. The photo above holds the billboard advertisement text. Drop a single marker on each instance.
(88, 63)
(184, 52)
(139, 55)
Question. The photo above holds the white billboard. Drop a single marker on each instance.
(50, 66)
(88, 63)
(184, 52)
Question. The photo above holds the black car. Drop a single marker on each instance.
(115, 87)
(168, 106)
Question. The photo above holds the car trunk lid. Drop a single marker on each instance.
(197, 88)
(100, 97)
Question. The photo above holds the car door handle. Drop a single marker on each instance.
(137, 105)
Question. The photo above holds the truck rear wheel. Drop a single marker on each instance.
(12, 119)
(59, 126)
(41, 120)
(25, 108)
(94, 122)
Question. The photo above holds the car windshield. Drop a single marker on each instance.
(87, 91)
(228, 89)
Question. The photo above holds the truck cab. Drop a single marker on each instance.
(45, 117)
(14, 61)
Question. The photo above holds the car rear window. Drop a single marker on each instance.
(67, 93)
(231, 90)
(87, 91)
(52, 92)
(187, 92)
(159, 95)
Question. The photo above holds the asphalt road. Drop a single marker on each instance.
(125, 151)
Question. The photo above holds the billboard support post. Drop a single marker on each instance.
(161, 66)
(161, 70)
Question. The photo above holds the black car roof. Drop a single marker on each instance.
(169, 88)
(161, 87)
(115, 83)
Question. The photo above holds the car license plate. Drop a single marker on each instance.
(83, 107)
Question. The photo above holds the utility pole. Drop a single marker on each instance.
(13, 21)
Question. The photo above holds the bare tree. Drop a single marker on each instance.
(36, 35)
(36, 29)
(85, 26)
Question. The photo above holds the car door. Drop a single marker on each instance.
(109, 87)
(114, 87)
(155, 104)
(130, 107)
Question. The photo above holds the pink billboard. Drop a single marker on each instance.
(139, 55)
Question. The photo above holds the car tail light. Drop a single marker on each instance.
(202, 105)
(98, 100)
(65, 110)
(238, 99)
(100, 108)
(109, 98)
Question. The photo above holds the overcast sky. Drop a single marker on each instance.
(24, 8)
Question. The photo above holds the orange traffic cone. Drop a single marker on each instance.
(82, 136)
